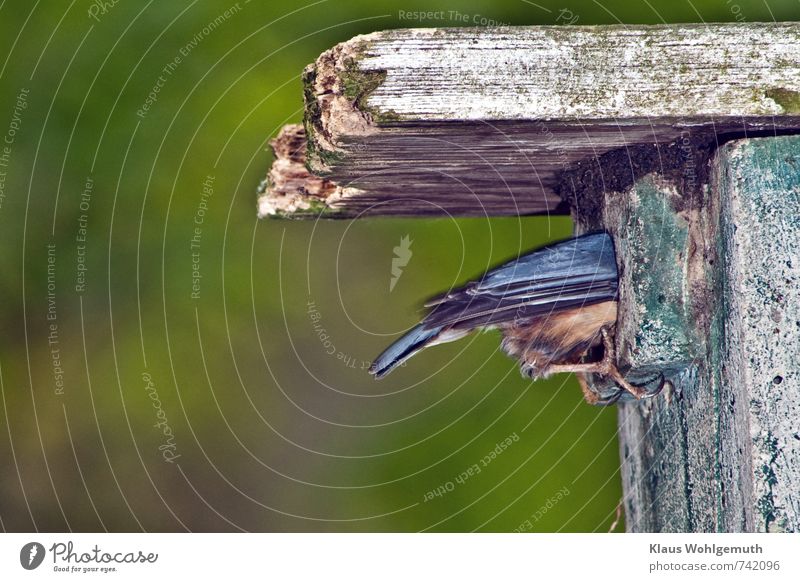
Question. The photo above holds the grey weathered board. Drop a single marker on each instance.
(486, 121)
(657, 135)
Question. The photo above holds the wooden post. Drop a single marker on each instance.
(709, 297)
(651, 133)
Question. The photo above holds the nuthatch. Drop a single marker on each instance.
(552, 306)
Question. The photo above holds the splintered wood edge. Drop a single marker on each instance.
(290, 190)
(373, 105)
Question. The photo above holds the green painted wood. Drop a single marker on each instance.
(661, 330)
(710, 295)
(757, 352)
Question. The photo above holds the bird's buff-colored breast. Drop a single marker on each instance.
(562, 337)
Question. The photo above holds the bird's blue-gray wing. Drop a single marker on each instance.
(579, 271)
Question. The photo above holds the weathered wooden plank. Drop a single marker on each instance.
(486, 121)
(709, 294)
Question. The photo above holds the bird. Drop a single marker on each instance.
(554, 306)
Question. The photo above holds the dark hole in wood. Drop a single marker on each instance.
(683, 162)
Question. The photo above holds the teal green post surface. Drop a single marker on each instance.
(710, 298)
(660, 337)
(658, 333)
(756, 356)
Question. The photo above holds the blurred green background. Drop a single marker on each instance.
(129, 404)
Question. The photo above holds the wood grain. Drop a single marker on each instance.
(494, 121)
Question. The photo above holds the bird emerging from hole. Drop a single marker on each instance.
(553, 306)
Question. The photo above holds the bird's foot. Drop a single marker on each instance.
(606, 367)
(610, 370)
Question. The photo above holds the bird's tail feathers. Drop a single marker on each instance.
(415, 340)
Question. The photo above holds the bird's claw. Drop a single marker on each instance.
(608, 368)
